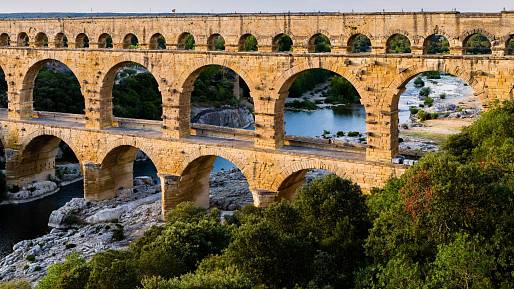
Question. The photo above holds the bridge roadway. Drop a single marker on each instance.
(183, 165)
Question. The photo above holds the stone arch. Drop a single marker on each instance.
(286, 80)
(130, 41)
(61, 40)
(186, 41)
(440, 47)
(481, 42)
(27, 91)
(105, 41)
(216, 42)
(186, 82)
(41, 40)
(398, 43)
(281, 42)
(157, 41)
(194, 177)
(292, 177)
(82, 41)
(244, 46)
(36, 161)
(5, 40)
(116, 170)
(312, 45)
(23, 40)
(359, 43)
(107, 85)
(398, 85)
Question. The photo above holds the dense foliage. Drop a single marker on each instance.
(283, 43)
(437, 44)
(398, 44)
(510, 46)
(315, 241)
(58, 90)
(359, 44)
(248, 43)
(447, 222)
(137, 95)
(214, 86)
(320, 44)
(477, 44)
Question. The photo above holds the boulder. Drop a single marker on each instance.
(67, 216)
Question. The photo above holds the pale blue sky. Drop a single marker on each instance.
(250, 5)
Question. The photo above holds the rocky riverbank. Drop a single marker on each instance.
(65, 175)
(87, 228)
(240, 117)
(92, 227)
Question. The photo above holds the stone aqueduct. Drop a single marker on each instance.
(273, 164)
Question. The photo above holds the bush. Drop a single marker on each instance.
(62, 275)
(413, 110)
(302, 104)
(353, 134)
(428, 101)
(419, 82)
(340, 134)
(425, 91)
(17, 284)
(432, 74)
(442, 96)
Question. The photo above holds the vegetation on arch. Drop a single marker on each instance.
(398, 44)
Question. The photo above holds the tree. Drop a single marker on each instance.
(359, 44)
(398, 44)
(73, 271)
(249, 43)
(437, 44)
(284, 43)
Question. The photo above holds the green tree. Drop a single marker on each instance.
(477, 44)
(137, 96)
(437, 44)
(58, 90)
(71, 274)
(321, 44)
(359, 43)
(113, 270)
(249, 43)
(398, 44)
(510, 46)
(284, 43)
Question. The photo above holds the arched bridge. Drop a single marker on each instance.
(94, 49)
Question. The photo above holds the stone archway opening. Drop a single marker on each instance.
(130, 91)
(436, 44)
(23, 40)
(289, 187)
(61, 41)
(157, 42)
(248, 42)
(41, 40)
(3, 90)
(130, 41)
(125, 170)
(509, 45)
(397, 44)
(105, 41)
(45, 164)
(476, 44)
(5, 40)
(282, 43)
(433, 106)
(216, 42)
(219, 98)
(82, 41)
(53, 87)
(186, 41)
(322, 108)
(359, 43)
(319, 43)
(215, 182)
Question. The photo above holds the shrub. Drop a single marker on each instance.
(428, 101)
(58, 275)
(442, 96)
(30, 258)
(340, 134)
(17, 284)
(425, 91)
(354, 134)
(419, 82)
(413, 110)
(432, 74)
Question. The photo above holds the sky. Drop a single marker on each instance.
(220, 6)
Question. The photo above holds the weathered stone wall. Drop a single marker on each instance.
(105, 149)
(339, 27)
(107, 156)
